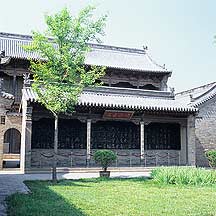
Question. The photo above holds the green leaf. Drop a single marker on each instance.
(61, 75)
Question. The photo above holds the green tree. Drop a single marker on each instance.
(61, 74)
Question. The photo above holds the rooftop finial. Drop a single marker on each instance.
(145, 48)
(3, 59)
(172, 90)
(191, 98)
(2, 54)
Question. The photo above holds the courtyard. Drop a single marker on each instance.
(107, 109)
(116, 196)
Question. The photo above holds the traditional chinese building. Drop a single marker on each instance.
(204, 99)
(133, 114)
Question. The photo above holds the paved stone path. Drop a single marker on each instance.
(9, 184)
(12, 182)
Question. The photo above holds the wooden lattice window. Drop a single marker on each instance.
(43, 133)
(115, 135)
(164, 136)
(72, 134)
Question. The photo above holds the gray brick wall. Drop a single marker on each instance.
(205, 130)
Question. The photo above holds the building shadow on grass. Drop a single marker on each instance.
(41, 201)
(113, 179)
(44, 201)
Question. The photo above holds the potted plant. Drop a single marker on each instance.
(104, 158)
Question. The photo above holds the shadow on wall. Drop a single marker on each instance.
(201, 160)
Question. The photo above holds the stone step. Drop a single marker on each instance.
(89, 170)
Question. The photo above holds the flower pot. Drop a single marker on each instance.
(105, 174)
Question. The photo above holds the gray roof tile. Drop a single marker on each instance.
(197, 96)
(102, 55)
(122, 101)
(7, 95)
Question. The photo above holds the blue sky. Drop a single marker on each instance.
(178, 33)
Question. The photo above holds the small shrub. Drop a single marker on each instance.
(211, 156)
(184, 176)
(104, 158)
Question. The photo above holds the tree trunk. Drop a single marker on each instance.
(56, 135)
(54, 172)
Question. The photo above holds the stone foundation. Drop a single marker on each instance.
(126, 158)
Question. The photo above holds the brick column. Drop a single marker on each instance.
(26, 135)
(1, 149)
(88, 144)
(191, 144)
(142, 140)
(183, 154)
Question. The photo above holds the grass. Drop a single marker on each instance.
(184, 176)
(114, 197)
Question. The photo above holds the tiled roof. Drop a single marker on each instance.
(7, 95)
(128, 59)
(12, 45)
(102, 55)
(197, 96)
(113, 100)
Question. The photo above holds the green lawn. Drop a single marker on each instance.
(113, 197)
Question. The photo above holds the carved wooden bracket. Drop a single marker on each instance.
(27, 81)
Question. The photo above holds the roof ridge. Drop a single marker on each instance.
(94, 45)
(154, 62)
(191, 90)
(134, 92)
(117, 48)
(125, 95)
(205, 93)
(15, 36)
